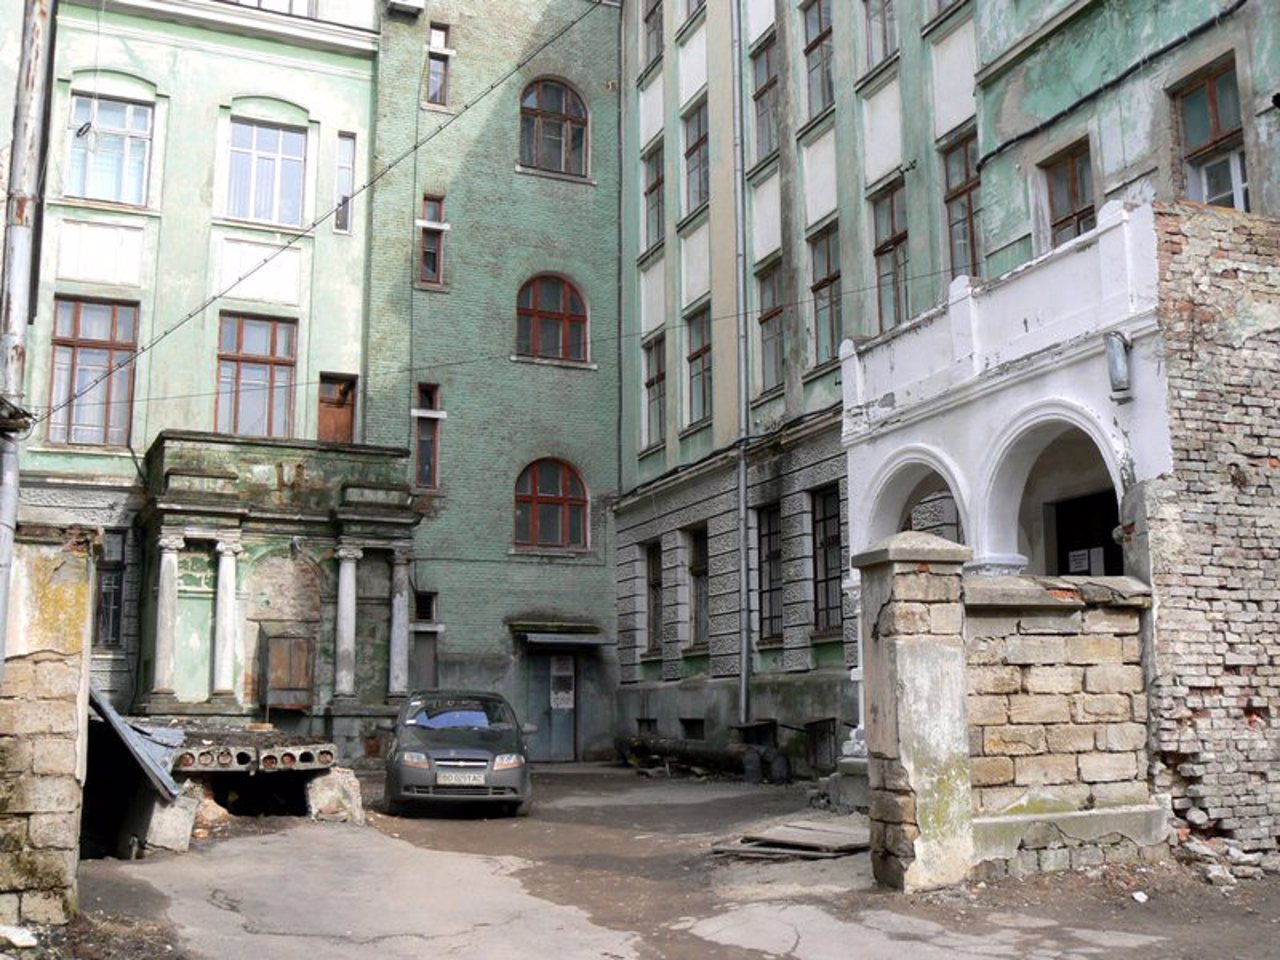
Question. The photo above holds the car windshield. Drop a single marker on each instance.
(460, 713)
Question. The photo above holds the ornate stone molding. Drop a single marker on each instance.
(171, 542)
(348, 553)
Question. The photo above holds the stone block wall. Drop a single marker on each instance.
(1212, 526)
(43, 702)
(1057, 694)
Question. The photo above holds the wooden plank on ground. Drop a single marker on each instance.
(814, 835)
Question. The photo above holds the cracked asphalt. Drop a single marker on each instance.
(611, 865)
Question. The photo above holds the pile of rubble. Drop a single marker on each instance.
(1223, 864)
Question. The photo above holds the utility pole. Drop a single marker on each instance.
(21, 206)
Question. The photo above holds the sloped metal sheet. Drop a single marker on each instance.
(152, 748)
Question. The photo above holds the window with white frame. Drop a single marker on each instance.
(432, 228)
(428, 415)
(1212, 139)
(438, 55)
(295, 8)
(344, 181)
(110, 149)
(268, 172)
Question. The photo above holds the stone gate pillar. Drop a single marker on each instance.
(916, 711)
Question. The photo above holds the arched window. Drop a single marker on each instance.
(551, 320)
(553, 128)
(551, 506)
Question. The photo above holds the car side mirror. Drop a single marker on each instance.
(529, 729)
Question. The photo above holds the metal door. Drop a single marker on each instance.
(552, 706)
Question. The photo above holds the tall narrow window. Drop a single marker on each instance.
(698, 361)
(770, 547)
(551, 320)
(434, 227)
(268, 167)
(652, 30)
(110, 590)
(889, 211)
(772, 342)
(553, 128)
(827, 565)
(1212, 147)
(693, 6)
(764, 72)
(824, 254)
(655, 390)
(345, 181)
(438, 65)
(653, 597)
(551, 506)
(1070, 182)
(91, 393)
(963, 201)
(818, 55)
(697, 159)
(654, 212)
(255, 376)
(427, 416)
(882, 30)
(110, 149)
(699, 594)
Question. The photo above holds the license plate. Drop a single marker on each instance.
(451, 779)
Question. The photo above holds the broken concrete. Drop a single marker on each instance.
(335, 796)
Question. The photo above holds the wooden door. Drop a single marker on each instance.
(337, 419)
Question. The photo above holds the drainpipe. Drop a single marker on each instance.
(19, 260)
(744, 374)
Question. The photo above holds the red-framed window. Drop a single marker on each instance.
(772, 339)
(255, 376)
(655, 390)
(697, 158)
(1212, 138)
(654, 206)
(551, 506)
(431, 264)
(824, 255)
(553, 128)
(889, 211)
(1070, 181)
(698, 363)
(438, 65)
(963, 199)
(551, 320)
(91, 390)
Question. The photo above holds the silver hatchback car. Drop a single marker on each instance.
(458, 745)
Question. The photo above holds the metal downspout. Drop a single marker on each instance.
(744, 373)
(20, 217)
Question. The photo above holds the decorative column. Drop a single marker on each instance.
(398, 668)
(225, 624)
(344, 681)
(166, 614)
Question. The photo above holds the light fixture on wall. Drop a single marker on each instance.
(1118, 347)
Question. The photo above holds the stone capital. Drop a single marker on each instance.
(348, 553)
(232, 547)
(402, 553)
(171, 542)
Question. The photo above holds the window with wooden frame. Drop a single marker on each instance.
(889, 214)
(693, 6)
(551, 320)
(438, 54)
(764, 74)
(654, 204)
(1212, 135)
(255, 376)
(1069, 180)
(432, 227)
(963, 202)
(551, 506)
(882, 30)
(91, 389)
(653, 597)
(553, 128)
(772, 336)
(344, 181)
(109, 602)
(769, 541)
(268, 165)
(818, 55)
(698, 571)
(655, 390)
(698, 364)
(697, 158)
(110, 149)
(652, 31)
(828, 566)
(824, 288)
(428, 414)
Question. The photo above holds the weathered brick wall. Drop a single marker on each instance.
(1214, 524)
(1057, 694)
(42, 721)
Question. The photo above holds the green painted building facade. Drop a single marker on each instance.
(492, 341)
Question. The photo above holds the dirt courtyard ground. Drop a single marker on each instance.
(611, 864)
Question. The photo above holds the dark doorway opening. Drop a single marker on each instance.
(1085, 545)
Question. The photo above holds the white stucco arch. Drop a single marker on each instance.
(885, 496)
(1009, 462)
